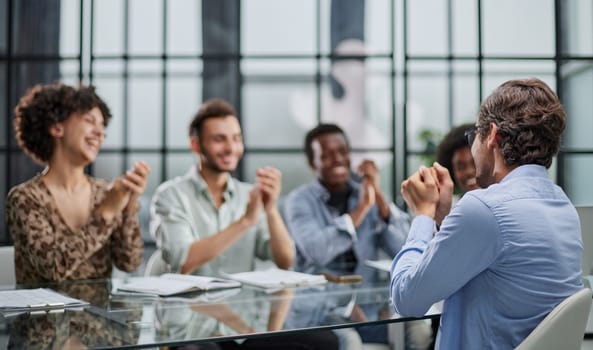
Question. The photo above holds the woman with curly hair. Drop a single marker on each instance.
(65, 224)
(454, 154)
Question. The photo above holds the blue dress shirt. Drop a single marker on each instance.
(502, 260)
(321, 234)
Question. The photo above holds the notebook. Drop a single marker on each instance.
(190, 298)
(40, 299)
(171, 284)
(277, 278)
(383, 265)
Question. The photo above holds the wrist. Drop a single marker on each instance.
(428, 211)
(105, 213)
(244, 222)
(132, 207)
(272, 210)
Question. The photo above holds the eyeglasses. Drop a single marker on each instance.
(470, 135)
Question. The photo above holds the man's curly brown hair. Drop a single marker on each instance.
(43, 106)
(530, 121)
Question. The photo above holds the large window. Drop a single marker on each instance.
(395, 74)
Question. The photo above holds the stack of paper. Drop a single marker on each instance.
(277, 279)
(191, 298)
(172, 284)
(383, 265)
(23, 300)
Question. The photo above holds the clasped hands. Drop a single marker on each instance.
(125, 190)
(265, 193)
(429, 192)
(370, 185)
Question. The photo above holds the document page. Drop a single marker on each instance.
(277, 278)
(36, 299)
(383, 265)
(172, 284)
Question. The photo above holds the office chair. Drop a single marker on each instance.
(7, 276)
(564, 327)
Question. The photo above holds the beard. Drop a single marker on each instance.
(208, 161)
(486, 177)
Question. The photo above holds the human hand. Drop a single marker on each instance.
(135, 181)
(116, 199)
(251, 215)
(269, 181)
(421, 193)
(369, 170)
(366, 201)
(445, 185)
(124, 190)
(368, 196)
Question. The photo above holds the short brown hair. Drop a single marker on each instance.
(43, 106)
(530, 121)
(212, 108)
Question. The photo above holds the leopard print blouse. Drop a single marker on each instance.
(46, 249)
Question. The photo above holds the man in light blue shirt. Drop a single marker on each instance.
(506, 254)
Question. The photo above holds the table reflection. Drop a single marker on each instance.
(76, 329)
(231, 314)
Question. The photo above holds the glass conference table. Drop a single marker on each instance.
(113, 321)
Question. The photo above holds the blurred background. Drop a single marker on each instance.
(396, 74)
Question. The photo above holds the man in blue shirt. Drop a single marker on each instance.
(507, 253)
(340, 220)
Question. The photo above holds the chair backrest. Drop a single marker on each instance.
(7, 276)
(156, 266)
(586, 216)
(564, 327)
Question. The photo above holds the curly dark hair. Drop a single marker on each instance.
(530, 121)
(212, 108)
(317, 131)
(453, 141)
(43, 106)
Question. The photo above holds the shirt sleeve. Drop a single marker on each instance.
(429, 269)
(127, 246)
(394, 231)
(318, 241)
(172, 227)
(52, 254)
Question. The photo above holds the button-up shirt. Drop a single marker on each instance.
(503, 259)
(183, 211)
(321, 234)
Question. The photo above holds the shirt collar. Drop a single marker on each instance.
(322, 192)
(202, 186)
(526, 170)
